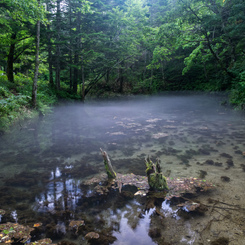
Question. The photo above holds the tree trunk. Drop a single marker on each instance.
(57, 71)
(83, 82)
(70, 48)
(34, 87)
(156, 180)
(50, 60)
(205, 72)
(10, 61)
(50, 56)
(162, 71)
(75, 76)
(151, 80)
(120, 78)
(107, 76)
(109, 170)
(57, 63)
(77, 52)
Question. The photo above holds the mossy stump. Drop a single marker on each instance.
(156, 180)
(109, 170)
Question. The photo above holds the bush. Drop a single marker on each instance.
(12, 109)
(237, 95)
(15, 99)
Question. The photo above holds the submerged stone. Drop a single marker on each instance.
(189, 206)
(225, 155)
(218, 164)
(155, 232)
(225, 178)
(42, 242)
(220, 241)
(230, 163)
(243, 167)
(76, 224)
(209, 162)
(13, 232)
(92, 235)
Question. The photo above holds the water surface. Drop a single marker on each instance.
(44, 162)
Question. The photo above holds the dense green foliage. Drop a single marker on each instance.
(15, 100)
(100, 47)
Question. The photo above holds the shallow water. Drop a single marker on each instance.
(44, 162)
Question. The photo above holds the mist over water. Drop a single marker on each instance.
(44, 162)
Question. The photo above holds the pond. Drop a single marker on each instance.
(45, 161)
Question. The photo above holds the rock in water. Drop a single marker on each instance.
(92, 235)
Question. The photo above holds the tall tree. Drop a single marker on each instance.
(18, 26)
(58, 45)
(34, 87)
(49, 42)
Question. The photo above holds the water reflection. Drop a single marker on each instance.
(169, 211)
(61, 194)
(44, 164)
(128, 235)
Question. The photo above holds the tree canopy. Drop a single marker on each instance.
(128, 46)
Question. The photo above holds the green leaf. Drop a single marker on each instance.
(6, 232)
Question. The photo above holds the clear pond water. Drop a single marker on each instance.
(45, 161)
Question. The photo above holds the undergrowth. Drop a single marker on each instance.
(15, 100)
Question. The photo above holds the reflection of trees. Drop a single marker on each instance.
(61, 194)
(57, 203)
(134, 222)
(112, 215)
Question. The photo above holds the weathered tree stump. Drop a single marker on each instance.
(109, 170)
(156, 180)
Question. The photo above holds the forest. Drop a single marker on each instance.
(78, 49)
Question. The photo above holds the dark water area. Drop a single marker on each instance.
(44, 163)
